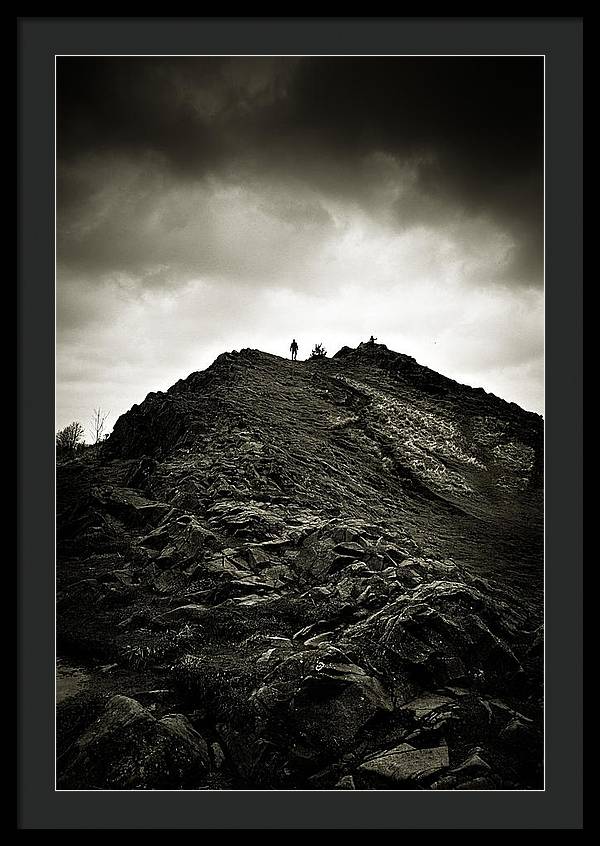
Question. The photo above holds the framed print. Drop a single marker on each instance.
(297, 423)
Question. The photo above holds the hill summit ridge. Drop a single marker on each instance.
(305, 575)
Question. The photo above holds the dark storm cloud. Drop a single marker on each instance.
(473, 125)
(481, 114)
(206, 204)
(176, 108)
(484, 114)
(470, 127)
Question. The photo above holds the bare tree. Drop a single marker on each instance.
(98, 421)
(69, 438)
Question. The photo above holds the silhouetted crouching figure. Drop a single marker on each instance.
(294, 349)
(372, 340)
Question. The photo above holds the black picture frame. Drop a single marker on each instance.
(559, 805)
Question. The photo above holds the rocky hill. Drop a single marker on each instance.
(304, 575)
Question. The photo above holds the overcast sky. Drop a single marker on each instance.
(209, 204)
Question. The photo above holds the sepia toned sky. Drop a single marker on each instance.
(207, 204)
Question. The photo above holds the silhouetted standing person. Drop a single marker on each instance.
(294, 349)
(372, 340)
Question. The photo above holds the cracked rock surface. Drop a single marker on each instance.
(304, 575)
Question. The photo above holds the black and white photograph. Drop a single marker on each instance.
(299, 422)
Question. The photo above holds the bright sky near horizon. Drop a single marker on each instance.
(210, 204)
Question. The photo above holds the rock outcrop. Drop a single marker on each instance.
(315, 575)
(127, 748)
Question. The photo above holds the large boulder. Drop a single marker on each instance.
(401, 766)
(127, 748)
(445, 631)
(313, 704)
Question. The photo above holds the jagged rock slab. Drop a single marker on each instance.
(403, 764)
